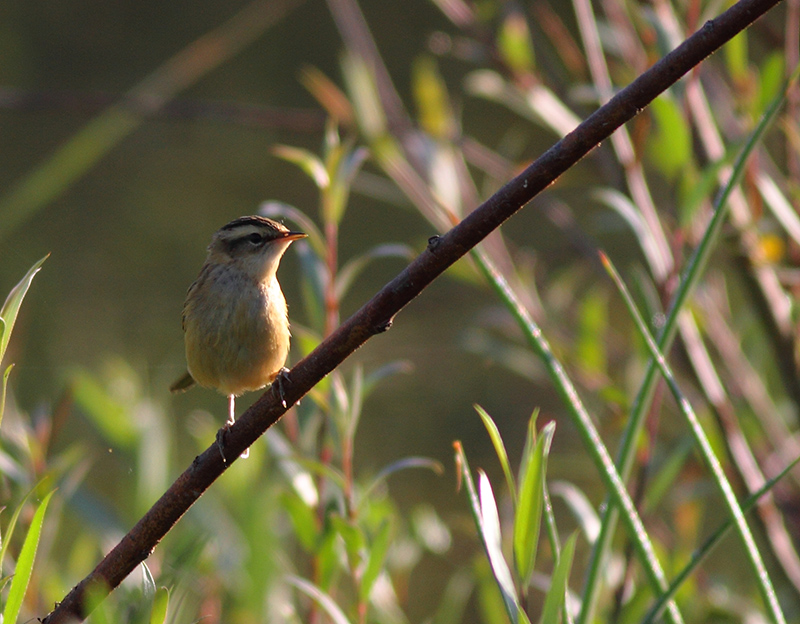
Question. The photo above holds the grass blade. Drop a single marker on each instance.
(490, 536)
(556, 598)
(499, 449)
(700, 554)
(642, 402)
(377, 556)
(492, 541)
(22, 573)
(11, 306)
(528, 517)
(3, 387)
(13, 523)
(592, 441)
(158, 614)
(758, 568)
(322, 599)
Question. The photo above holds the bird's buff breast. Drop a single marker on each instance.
(237, 334)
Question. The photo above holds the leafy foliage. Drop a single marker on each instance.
(695, 201)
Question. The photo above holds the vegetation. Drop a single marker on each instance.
(654, 479)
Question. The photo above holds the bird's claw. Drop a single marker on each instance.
(221, 433)
(278, 385)
(221, 441)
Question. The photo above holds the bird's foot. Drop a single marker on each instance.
(278, 384)
(221, 434)
(223, 431)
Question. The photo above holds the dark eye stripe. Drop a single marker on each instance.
(252, 241)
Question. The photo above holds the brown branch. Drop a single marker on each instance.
(376, 315)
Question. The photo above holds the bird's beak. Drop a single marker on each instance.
(293, 236)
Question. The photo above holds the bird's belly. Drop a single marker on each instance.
(238, 342)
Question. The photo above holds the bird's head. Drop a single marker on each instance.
(256, 244)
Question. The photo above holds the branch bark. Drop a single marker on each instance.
(377, 314)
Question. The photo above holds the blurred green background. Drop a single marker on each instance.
(127, 238)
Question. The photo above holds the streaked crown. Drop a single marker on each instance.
(250, 235)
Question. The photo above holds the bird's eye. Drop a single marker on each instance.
(254, 238)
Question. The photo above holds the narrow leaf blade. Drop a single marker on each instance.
(11, 306)
(158, 614)
(6, 373)
(528, 518)
(377, 555)
(556, 595)
(321, 598)
(499, 449)
(492, 541)
(22, 574)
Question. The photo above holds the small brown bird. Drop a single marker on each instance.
(235, 318)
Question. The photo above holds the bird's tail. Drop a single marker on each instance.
(184, 383)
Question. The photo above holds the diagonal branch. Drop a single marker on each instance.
(377, 314)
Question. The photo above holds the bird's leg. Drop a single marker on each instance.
(228, 424)
(231, 412)
(278, 383)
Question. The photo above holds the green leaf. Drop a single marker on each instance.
(6, 373)
(592, 325)
(430, 94)
(311, 165)
(403, 464)
(770, 76)
(580, 506)
(312, 284)
(375, 377)
(754, 558)
(557, 594)
(22, 573)
(342, 164)
(499, 449)
(10, 309)
(492, 540)
(487, 520)
(593, 442)
(353, 267)
(666, 479)
(430, 530)
(354, 540)
(303, 518)
(670, 145)
(377, 556)
(699, 555)
(94, 603)
(735, 52)
(626, 209)
(13, 522)
(514, 43)
(321, 598)
(328, 558)
(363, 91)
(490, 600)
(528, 517)
(158, 614)
(148, 582)
(353, 415)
